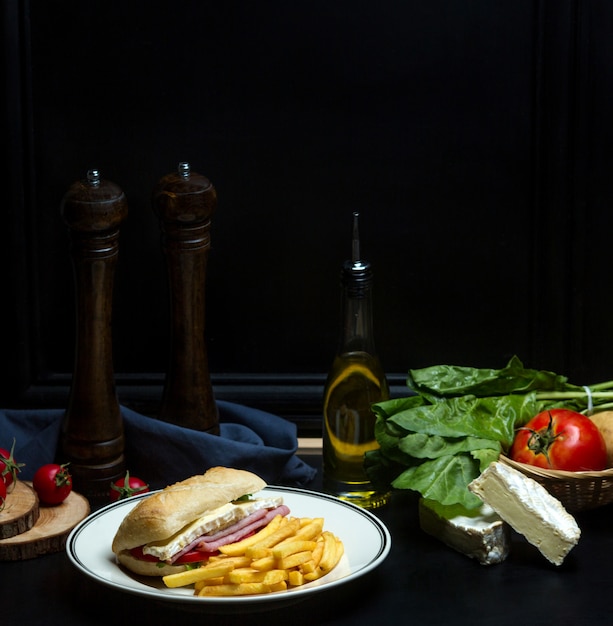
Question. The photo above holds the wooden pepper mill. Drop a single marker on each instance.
(184, 202)
(92, 437)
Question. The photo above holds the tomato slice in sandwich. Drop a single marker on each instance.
(193, 556)
(138, 553)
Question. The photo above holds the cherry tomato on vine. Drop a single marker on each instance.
(52, 483)
(2, 494)
(560, 439)
(9, 468)
(126, 487)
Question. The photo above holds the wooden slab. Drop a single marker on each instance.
(50, 532)
(20, 512)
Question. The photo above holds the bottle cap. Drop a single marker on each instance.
(356, 274)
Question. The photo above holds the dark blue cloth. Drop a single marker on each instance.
(162, 453)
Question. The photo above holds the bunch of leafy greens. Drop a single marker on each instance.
(458, 420)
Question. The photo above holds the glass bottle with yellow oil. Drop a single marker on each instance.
(355, 382)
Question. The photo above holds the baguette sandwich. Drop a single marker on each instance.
(185, 523)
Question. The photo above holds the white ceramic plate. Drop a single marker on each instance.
(366, 539)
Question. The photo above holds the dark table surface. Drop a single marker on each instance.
(422, 581)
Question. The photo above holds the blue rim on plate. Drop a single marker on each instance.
(366, 540)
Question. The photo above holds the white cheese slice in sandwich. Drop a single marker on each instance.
(209, 523)
(479, 534)
(529, 509)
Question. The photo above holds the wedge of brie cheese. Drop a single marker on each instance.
(218, 519)
(529, 509)
(479, 534)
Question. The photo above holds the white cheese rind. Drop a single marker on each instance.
(479, 534)
(529, 509)
(221, 518)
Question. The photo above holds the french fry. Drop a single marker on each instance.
(290, 553)
(340, 550)
(318, 551)
(332, 553)
(330, 556)
(238, 548)
(189, 577)
(308, 566)
(295, 578)
(294, 560)
(255, 552)
(280, 586)
(283, 551)
(275, 576)
(312, 529)
(237, 561)
(245, 575)
(240, 589)
(307, 532)
(284, 531)
(314, 575)
(209, 581)
(264, 564)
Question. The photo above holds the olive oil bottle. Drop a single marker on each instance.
(356, 380)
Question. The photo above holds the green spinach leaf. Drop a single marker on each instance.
(456, 420)
(422, 446)
(443, 479)
(450, 380)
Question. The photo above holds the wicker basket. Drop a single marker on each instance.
(577, 491)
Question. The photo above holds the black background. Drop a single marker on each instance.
(473, 137)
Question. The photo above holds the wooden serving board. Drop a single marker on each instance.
(20, 512)
(49, 533)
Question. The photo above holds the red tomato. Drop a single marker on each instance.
(193, 556)
(560, 439)
(126, 487)
(138, 553)
(52, 483)
(9, 468)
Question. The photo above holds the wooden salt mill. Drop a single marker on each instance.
(92, 437)
(184, 202)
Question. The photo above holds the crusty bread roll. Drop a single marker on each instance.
(147, 568)
(165, 513)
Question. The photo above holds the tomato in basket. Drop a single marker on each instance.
(560, 439)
